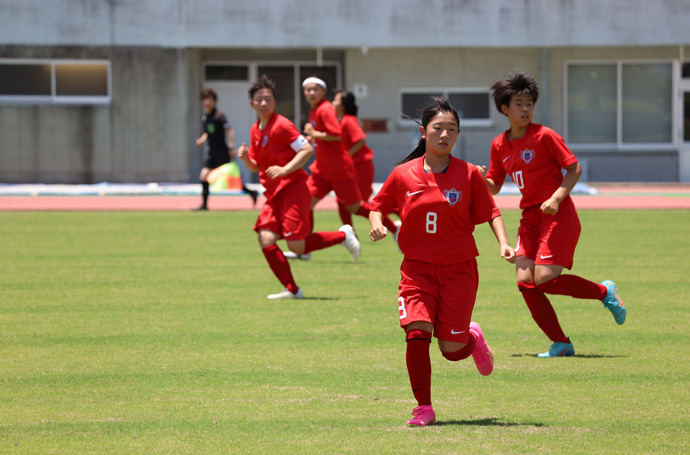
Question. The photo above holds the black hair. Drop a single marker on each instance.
(439, 104)
(516, 83)
(208, 93)
(263, 82)
(348, 100)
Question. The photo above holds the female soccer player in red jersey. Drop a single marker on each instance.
(277, 151)
(441, 199)
(534, 155)
(333, 168)
(354, 141)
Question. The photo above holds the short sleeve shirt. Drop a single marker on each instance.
(332, 162)
(353, 133)
(214, 124)
(272, 147)
(438, 211)
(534, 162)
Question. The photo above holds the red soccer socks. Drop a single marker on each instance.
(542, 311)
(280, 267)
(320, 240)
(419, 365)
(574, 286)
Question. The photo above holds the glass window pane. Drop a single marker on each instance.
(227, 73)
(25, 79)
(592, 103)
(647, 103)
(413, 104)
(471, 106)
(284, 78)
(326, 74)
(686, 71)
(81, 79)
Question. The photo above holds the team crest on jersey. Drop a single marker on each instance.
(527, 155)
(264, 141)
(452, 195)
(211, 128)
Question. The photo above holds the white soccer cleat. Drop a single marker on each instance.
(291, 255)
(351, 242)
(285, 294)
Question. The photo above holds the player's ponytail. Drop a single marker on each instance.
(439, 104)
(418, 152)
(349, 102)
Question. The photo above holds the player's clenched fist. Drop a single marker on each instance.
(378, 233)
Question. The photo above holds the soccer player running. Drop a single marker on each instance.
(534, 156)
(277, 151)
(354, 141)
(441, 198)
(333, 168)
(220, 137)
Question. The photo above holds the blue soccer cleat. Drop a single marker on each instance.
(559, 350)
(613, 302)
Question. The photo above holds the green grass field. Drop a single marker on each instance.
(150, 333)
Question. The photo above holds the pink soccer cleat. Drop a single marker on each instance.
(423, 416)
(482, 355)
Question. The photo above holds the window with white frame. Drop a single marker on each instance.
(473, 104)
(619, 103)
(55, 82)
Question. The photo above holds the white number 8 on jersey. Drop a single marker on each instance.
(431, 218)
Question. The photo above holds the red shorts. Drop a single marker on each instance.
(365, 177)
(549, 239)
(443, 295)
(287, 213)
(346, 190)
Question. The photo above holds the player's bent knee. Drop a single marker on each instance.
(418, 334)
(267, 238)
(526, 285)
(457, 355)
(296, 247)
(546, 285)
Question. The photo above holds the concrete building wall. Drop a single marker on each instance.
(157, 49)
(142, 136)
(386, 71)
(345, 23)
(148, 132)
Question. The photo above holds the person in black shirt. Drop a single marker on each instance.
(218, 134)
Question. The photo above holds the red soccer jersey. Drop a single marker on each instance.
(438, 211)
(534, 162)
(332, 162)
(272, 147)
(352, 133)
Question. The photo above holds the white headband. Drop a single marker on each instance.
(313, 80)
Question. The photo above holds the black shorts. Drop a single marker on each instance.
(213, 160)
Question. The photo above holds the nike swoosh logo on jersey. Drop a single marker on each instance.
(506, 158)
(453, 332)
(410, 194)
(541, 256)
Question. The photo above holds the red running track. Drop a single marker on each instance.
(655, 197)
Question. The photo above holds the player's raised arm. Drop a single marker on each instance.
(243, 154)
(493, 187)
(572, 175)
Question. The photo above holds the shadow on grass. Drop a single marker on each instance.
(488, 422)
(582, 356)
